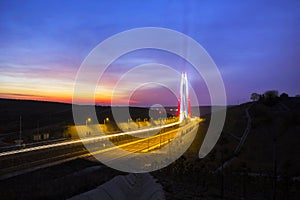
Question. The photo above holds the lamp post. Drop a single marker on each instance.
(106, 120)
(20, 135)
(138, 122)
(87, 120)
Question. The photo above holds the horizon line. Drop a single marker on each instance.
(103, 105)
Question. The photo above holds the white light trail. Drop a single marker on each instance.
(85, 140)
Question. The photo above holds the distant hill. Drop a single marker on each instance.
(34, 113)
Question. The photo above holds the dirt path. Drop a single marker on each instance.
(242, 140)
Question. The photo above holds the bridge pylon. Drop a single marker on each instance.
(184, 104)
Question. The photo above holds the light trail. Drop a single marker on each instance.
(108, 153)
(85, 140)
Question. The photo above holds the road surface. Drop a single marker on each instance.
(21, 161)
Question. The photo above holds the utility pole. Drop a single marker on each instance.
(222, 175)
(274, 166)
(38, 127)
(20, 134)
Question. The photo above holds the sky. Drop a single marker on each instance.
(255, 45)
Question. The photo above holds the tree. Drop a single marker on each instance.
(271, 97)
(255, 96)
(284, 96)
(271, 94)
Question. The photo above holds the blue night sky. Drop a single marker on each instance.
(255, 44)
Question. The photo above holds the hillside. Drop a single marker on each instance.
(273, 137)
(33, 113)
(260, 163)
(50, 117)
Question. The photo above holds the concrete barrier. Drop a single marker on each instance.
(132, 186)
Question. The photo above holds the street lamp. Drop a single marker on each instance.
(138, 122)
(106, 120)
(87, 120)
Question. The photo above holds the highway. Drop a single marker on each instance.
(84, 140)
(28, 159)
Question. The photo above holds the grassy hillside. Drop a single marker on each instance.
(33, 113)
(266, 165)
(48, 117)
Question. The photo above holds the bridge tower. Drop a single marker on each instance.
(184, 104)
